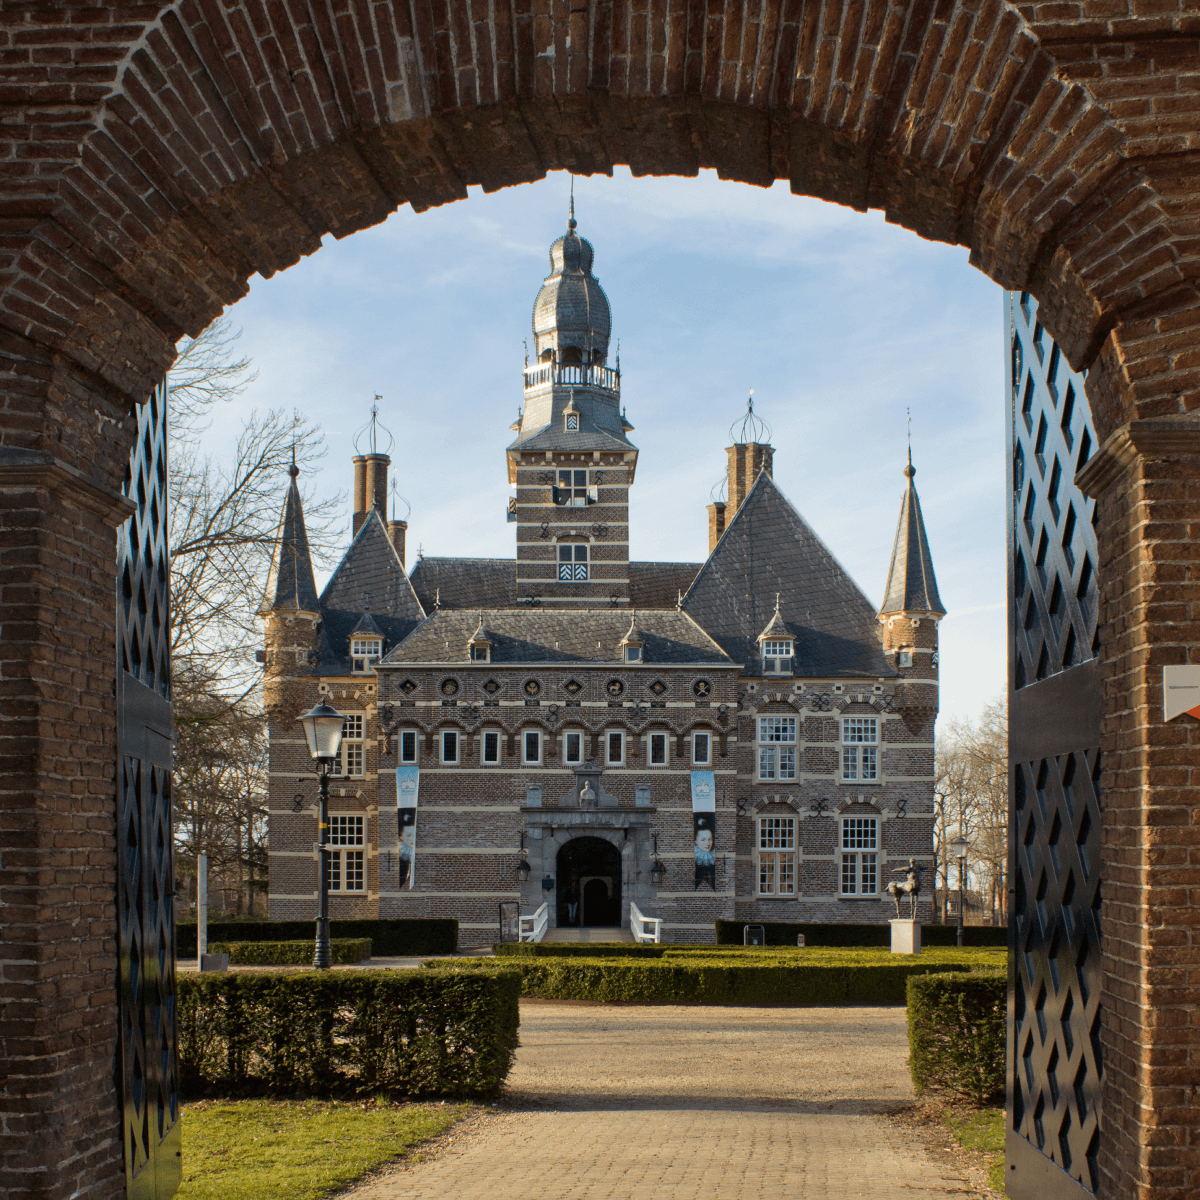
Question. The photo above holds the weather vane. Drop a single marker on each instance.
(372, 429)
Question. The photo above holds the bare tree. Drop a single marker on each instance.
(223, 525)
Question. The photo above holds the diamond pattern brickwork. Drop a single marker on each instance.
(1053, 538)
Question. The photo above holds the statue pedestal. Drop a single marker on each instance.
(906, 937)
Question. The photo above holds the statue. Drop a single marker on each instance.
(911, 887)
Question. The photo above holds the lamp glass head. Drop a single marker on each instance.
(523, 871)
(960, 846)
(323, 730)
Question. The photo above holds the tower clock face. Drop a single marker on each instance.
(615, 687)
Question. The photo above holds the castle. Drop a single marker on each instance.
(746, 738)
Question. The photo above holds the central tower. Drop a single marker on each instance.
(572, 462)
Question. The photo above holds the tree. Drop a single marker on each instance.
(223, 523)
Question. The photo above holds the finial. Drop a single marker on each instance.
(396, 495)
(372, 428)
(526, 345)
(753, 429)
(571, 219)
(910, 470)
(293, 470)
(777, 604)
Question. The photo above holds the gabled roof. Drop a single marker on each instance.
(290, 584)
(369, 579)
(768, 548)
(911, 585)
(776, 626)
(557, 636)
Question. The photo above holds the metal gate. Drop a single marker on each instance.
(1054, 1062)
(145, 879)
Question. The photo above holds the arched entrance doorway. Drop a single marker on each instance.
(589, 884)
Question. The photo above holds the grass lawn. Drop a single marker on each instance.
(297, 1149)
(984, 1131)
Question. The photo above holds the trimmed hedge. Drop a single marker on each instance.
(402, 1033)
(397, 938)
(783, 933)
(584, 949)
(278, 954)
(956, 1030)
(713, 979)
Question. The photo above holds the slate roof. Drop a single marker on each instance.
(769, 548)
(465, 582)
(290, 584)
(492, 582)
(911, 585)
(370, 579)
(555, 636)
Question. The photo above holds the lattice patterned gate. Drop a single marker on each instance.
(1054, 1060)
(145, 878)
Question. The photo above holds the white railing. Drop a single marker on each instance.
(572, 375)
(644, 929)
(533, 927)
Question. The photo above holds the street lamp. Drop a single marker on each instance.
(523, 867)
(323, 731)
(960, 846)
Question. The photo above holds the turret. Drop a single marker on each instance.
(911, 606)
(290, 606)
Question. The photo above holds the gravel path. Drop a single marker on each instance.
(675, 1103)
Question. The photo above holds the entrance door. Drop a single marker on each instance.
(589, 884)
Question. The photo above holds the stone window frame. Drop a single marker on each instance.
(651, 737)
(862, 852)
(609, 734)
(338, 852)
(772, 763)
(567, 735)
(353, 750)
(783, 655)
(860, 755)
(777, 855)
(365, 652)
(485, 736)
(707, 737)
(401, 757)
(443, 741)
(526, 734)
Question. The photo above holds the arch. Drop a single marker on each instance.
(589, 873)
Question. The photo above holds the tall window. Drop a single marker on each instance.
(777, 747)
(776, 856)
(533, 746)
(408, 745)
(701, 749)
(615, 755)
(345, 869)
(351, 754)
(365, 653)
(573, 746)
(572, 562)
(860, 868)
(777, 657)
(860, 749)
(658, 749)
(573, 491)
(491, 746)
(449, 746)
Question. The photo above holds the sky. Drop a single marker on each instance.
(841, 323)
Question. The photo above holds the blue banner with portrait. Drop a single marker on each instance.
(408, 785)
(704, 827)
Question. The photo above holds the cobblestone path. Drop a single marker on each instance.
(673, 1103)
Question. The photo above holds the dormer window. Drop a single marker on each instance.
(633, 654)
(481, 653)
(572, 422)
(480, 645)
(777, 656)
(364, 654)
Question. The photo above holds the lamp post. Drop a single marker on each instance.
(323, 731)
(960, 846)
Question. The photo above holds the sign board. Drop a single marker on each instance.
(1181, 692)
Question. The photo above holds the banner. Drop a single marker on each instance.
(704, 827)
(408, 784)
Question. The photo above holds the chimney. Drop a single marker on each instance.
(370, 486)
(396, 531)
(716, 524)
(746, 460)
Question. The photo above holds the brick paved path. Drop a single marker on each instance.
(691, 1104)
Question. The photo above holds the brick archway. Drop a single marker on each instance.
(152, 166)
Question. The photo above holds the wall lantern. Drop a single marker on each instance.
(657, 870)
(523, 867)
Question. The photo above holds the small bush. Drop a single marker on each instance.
(714, 979)
(279, 954)
(393, 938)
(956, 1030)
(400, 1033)
(783, 933)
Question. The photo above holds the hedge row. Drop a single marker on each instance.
(278, 954)
(585, 949)
(713, 980)
(956, 1030)
(389, 939)
(402, 1033)
(783, 933)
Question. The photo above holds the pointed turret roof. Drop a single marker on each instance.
(367, 624)
(768, 550)
(290, 583)
(776, 627)
(911, 585)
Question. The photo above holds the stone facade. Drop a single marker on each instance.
(155, 159)
(570, 695)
